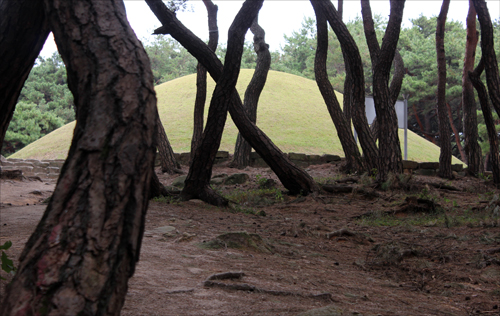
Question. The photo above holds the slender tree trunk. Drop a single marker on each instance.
(357, 83)
(84, 250)
(296, 180)
(23, 31)
(167, 159)
(353, 157)
(488, 120)
(242, 149)
(455, 132)
(488, 53)
(201, 77)
(444, 126)
(472, 148)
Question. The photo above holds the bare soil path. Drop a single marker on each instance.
(334, 253)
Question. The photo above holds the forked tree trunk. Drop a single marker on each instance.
(444, 125)
(23, 31)
(201, 78)
(472, 149)
(85, 248)
(488, 53)
(242, 149)
(455, 133)
(353, 157)
(167, 159)
(488, 120)
(355, 87)
(296, 180)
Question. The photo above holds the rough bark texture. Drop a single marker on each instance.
(494, 155)
(201, 77)
(167, 159)
(351, 151)
(488, 53)
(455, 133)
(356, 85)
(472, 149)
(444, 125)
(23, 31)
(85, 248)
(242, 149)
(295, 179)
(197, 184)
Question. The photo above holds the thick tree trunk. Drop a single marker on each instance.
(444, 126)
(296, 180)
(84, 250)
(201, 77)
(242, 149)
(23, 31)
(353, 157)
(488, 120)
(455, 133)
(472, 148)
(488, 53)
(356, 85)
(167, 159)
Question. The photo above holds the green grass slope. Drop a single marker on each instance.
(291, 112)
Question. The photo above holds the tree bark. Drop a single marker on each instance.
(355, 86)
(472, 148)
(296, 180)
(444, 126)
(353, 157)
(242, 149)
(488, 119)
(23, 31)
(455, 133)
(167, 159)
(201, 77)
(85, 248)
(488, 53)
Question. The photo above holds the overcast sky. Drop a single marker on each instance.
(277, 17)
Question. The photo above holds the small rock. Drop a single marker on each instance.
(179, 181)
(237, 178)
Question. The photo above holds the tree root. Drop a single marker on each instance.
(206, 194)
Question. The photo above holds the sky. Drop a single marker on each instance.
(277, 17)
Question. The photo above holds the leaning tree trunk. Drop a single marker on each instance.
(23, 31)
(242, 149)
(488, 53)
(167, 159)
(444, 125)
(472, 148)
(488, 119)
(351, 151)
(85, 248)
(357, 83)
(296, 180)
(201, 78)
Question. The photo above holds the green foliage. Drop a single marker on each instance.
(7, 264)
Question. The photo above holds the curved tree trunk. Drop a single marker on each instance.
(201, 77)
(167, 159)
(296, 180)
(84, 250)
(472, 149)
(242, 149)
(353, 157)
(488, 120)
(455, 132)
(357, 83)
(444, 126)
(23, 31)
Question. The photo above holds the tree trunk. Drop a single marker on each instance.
(296, 180)
(488, 53)
(472, 148)
(167, 159)
(242, 149)
(85, 248)
(23, 31)
(488, 119)
(455, 132)
(444, 126)
(356, 85)
(201, 77)
(353, 157)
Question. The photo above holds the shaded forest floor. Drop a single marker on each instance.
(423, 247)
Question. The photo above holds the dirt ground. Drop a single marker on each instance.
(414, 249)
